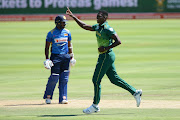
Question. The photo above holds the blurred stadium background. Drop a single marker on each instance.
(34, 10)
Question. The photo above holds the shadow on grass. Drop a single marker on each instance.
(81, 115)
(58, 115)
(25, 104)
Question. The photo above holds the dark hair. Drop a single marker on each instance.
(104, 13)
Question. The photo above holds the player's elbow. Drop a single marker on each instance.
(84, 27)
(118, 42)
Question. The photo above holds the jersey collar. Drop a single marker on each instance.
(58, 28)
(105, 23)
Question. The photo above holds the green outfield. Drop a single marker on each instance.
(148, 59)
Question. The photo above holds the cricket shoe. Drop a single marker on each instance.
(64, 102)
(48, 101)
(91, 109)
(137, 95)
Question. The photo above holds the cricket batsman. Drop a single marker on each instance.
(107, 39)
(62, 55)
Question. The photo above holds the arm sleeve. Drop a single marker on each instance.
(69, 36)
(95, 27)
(110, 32)
(49, 37)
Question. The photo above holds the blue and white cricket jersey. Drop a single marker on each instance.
(59, 39)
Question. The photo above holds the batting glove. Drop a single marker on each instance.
(72, 62)
(48, 64)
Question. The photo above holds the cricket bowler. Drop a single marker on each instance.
(107, 39)
(62, 55)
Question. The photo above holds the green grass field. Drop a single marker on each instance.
(149, 58)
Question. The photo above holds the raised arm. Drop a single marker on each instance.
(79, 22)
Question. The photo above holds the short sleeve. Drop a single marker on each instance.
(110, 31)
(49, 37)
(69, 36)
(95, 27)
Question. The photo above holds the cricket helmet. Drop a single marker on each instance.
(59, 19)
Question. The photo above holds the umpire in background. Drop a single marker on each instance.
(62, 55)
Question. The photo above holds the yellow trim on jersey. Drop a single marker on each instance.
(102, 52)
(105, 26)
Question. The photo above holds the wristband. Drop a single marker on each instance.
(71, 55)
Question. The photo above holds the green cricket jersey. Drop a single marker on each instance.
(103, 34)
(105, 63)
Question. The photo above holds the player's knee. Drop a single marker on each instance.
(64, 76)
(114, 82)
(96, 82)
(53, 79)
(96, 79)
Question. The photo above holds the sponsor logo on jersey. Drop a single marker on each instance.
(65, 34)
(60, 40)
